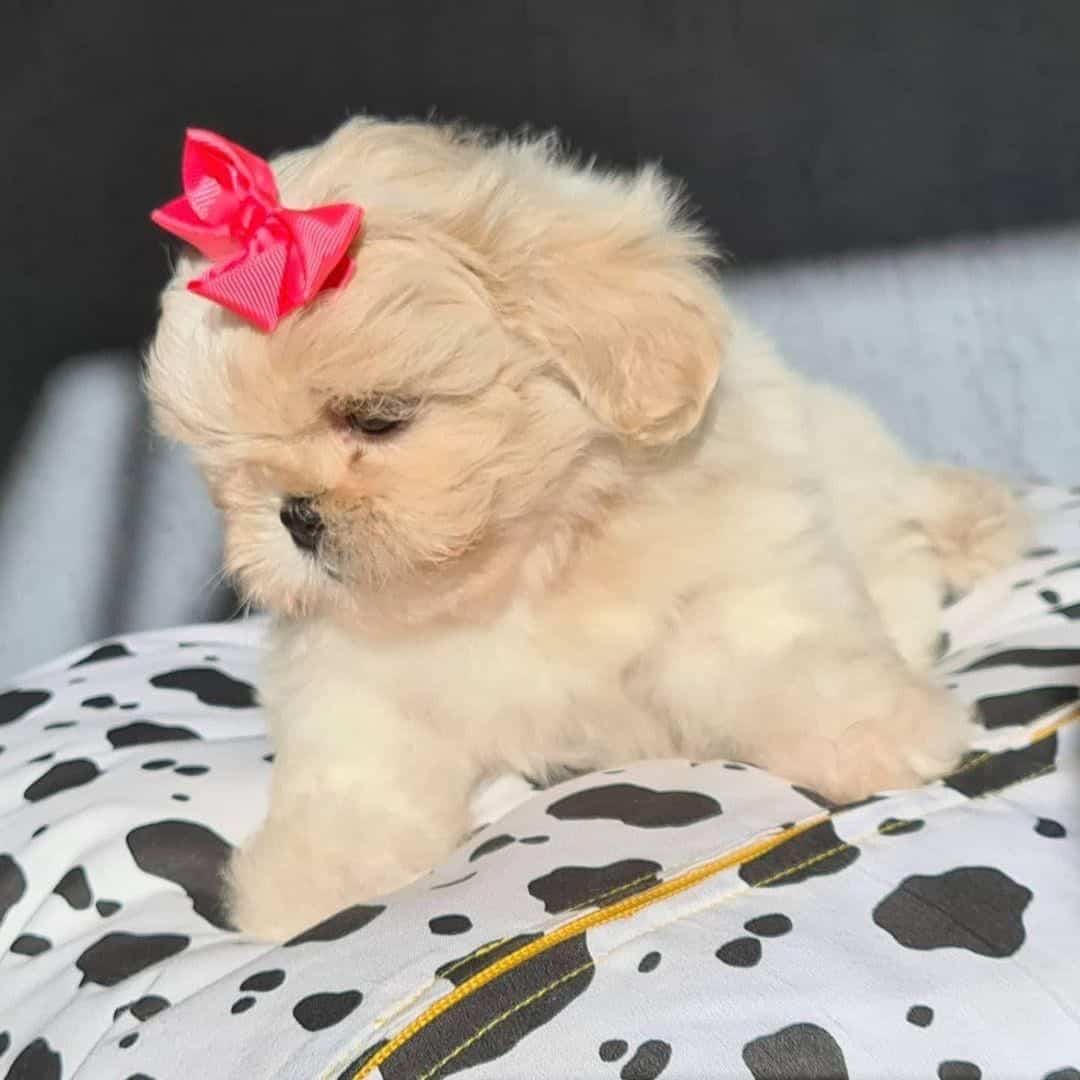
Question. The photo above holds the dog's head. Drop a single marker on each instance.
(519, 337)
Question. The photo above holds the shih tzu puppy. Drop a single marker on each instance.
(522, 492)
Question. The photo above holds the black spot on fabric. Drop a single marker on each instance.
(1040, 552)
(649, 1061)
(1031, 658)
(775, 925)
(534, 839)
(319, 1011)
(986, 773)
(159, 763)
(1063, 1074)
(113, 651)
(641, 807)
(30, 945)
(118, 956)
(455, 881)
(38, 831)
(816, 797)
(15, 704)
(210, 686)
(269, 758)
(570, 887)
(142, 732)
(188, 855)
(241, 1005)
(41, 758)
(892, 826)
(450, 924)
(138, 1076)
(942, 646)
(799, 1051)
(811, 853)
(977, 908)
(649, 962)
(129, 1041)
(734, 766)
(99, 701)
(62, 777)
(1050, 828)
(613, 1049)
(358, 1063)
(920, 1015)
(129, 705)
(495, 843)
(1023, 706)
(105, 908)
(1071, 611)
(180, 797)
(465, 967)
(148, 1006)
(959, 1070)
(57, 725)
(263, 981)
(37, 1061)
(338, 926)
(5, 1042)
(1050, 596)
(75, 889)
(740, 952)
(193, 770)
(12, 884)
(479, 1029)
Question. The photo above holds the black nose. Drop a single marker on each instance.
(303, 522)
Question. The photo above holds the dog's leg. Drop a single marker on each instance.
(799, 675)
(363, 801)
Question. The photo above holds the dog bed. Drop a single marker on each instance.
(672, 919)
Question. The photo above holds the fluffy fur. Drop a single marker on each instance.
(614, 526)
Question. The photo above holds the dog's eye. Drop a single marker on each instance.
(364, 424)
(375, 417)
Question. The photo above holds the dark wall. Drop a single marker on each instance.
(802, 126)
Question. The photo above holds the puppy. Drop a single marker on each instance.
(526, 493)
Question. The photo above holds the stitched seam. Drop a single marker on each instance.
(559, 933)
(617, 889)
(861, 839)
(974, 763)
(474, 955)
(806, 824)
(394, 1009)
(812, 861)
(803, 865)
(497, 1020)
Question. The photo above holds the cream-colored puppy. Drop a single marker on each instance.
(526, 493)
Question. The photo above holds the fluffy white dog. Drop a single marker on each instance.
(525, 493)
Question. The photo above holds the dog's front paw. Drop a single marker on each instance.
(909, 735)
(282, 883)
(921, 738)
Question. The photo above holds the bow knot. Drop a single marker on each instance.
(268, 259)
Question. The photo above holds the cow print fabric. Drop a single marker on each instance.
(918, 934)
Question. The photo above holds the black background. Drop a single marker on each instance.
(801, 126)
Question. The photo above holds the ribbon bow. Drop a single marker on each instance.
(269, 260)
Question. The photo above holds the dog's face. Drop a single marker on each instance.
(519, 337)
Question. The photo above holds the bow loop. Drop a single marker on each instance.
(269, 260)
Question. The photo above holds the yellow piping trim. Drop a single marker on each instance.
(623, 909)
(619, 910)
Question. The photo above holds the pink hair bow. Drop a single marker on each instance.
(268, 260)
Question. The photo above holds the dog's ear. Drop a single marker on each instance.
(622, 300)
